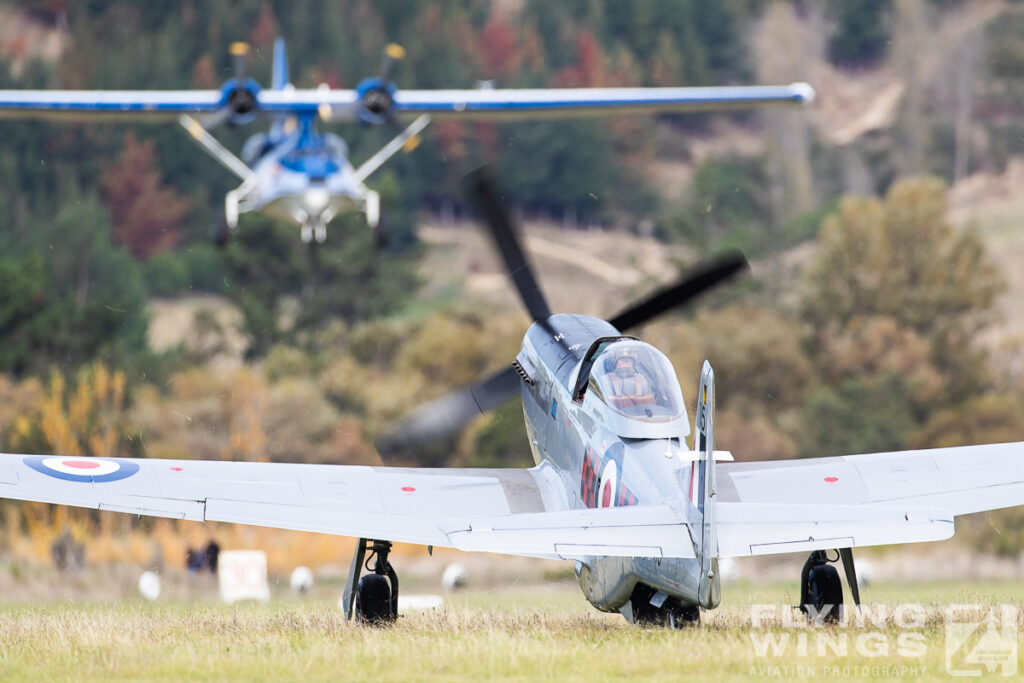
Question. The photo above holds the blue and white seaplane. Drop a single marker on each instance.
(295, 173)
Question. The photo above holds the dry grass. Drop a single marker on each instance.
(512, 635)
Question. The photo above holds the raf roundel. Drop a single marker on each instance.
(81, 469)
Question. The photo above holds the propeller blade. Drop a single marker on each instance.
(217, 118)
(697, 281)
(447, 415)
(481, 185)
(851, 574)
(393, 54)
(239, 52)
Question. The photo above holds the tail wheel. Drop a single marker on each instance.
(653, 608)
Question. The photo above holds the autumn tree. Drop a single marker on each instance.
(147, 214)
(900, 258)
(893, 299)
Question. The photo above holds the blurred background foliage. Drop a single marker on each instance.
(867, 324)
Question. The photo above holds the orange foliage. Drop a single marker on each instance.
(589, 69)
(498, 47)
(265, 30)
(146, 214)
(204, 74)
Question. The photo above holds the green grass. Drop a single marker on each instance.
(516, 634)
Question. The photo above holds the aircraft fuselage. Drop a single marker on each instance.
(602, 461)
(303, 177)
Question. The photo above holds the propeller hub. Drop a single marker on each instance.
(240, 101)
(376, 101)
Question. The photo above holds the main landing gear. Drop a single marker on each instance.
(651, 607)
(821, 593)
(373, 598)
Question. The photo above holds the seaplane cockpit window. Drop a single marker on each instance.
(636, 380)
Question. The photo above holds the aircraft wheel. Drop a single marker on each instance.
(373, 600)
(644, 613)
(683, 616)
(824, 591)
(381, 236)
(671, 613)
(219, 232)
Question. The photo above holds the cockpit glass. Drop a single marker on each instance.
(636, 380)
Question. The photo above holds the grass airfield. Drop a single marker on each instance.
(545, 632)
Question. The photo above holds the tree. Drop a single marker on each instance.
(71, 295)
(894, 299)
(727, 205)
(147, 215)
(287, 291)
(900, 258)
(861, 34)
(864, 415)
(22, 317)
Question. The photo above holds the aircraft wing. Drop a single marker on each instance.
(512, 511)
(857, 500)
(343, 105)
(97, 104)
(562, 102)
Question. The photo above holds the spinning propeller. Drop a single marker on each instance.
(447, 415)
(239, 93)
(374, 105)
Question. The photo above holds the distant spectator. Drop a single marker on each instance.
(67, 554)
(195, 560)
(212, 553)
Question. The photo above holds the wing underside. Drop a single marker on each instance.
(505, 511)
(859, 500)
(343, 105)
(762, 508)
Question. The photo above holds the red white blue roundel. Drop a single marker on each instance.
(81, 469)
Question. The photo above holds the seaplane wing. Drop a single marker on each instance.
(98, 104)
(342, 105)
(556, 102)
(508, 511)
(857, 500)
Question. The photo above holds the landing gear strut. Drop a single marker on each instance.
(374, 597)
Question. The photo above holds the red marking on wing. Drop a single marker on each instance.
(80, 464)
(176, 469)
(606, 495)
(408, 489)
(831, 480)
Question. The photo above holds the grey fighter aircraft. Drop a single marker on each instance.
(616, 488)
(296, 174)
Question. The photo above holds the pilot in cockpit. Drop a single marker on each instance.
(627, 384)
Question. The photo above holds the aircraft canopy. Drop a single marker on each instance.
(637, 381)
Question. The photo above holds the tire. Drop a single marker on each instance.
(381, 236)
(373, 600)
(219, 233)
(824, 591)
(684, 616)
(644, 613)
(672, 613)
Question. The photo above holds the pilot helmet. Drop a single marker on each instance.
(625, 364)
